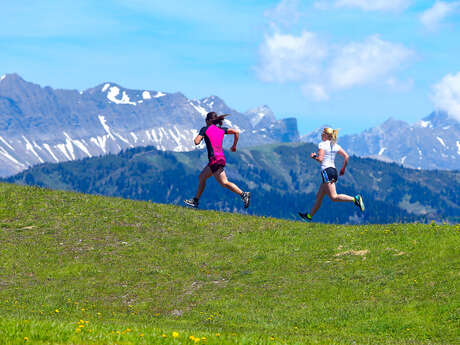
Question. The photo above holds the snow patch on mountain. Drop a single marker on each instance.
(69, 146)
(105, 87)
(123, 139)
(441, 141)
(48, 148)
(105, 126)
(100, 142)
(2, 77)
(146, 95)
(159, 94)
(6, 143)
(199, 109)
(11, 158)
(30, 148)
(256, 119)
(458, 147)
(113, 93)
(77, 143)
(425, 124)
(381, 151)
(62, 147)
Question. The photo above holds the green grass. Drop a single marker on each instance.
(137, 272)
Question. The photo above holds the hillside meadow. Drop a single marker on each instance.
(85, 269)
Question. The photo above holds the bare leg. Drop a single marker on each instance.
(221, 177)
(204, 175)
(319, 199)
(331, 192)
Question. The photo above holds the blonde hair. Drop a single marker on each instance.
(331, 133)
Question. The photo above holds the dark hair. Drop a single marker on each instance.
(215, 119)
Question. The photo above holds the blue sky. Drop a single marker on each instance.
(348, 63)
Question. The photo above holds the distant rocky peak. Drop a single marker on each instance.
(12, 77)
(12, 80)
(393, 124)
(213, 103)
(314, 136)
(259, 115)
(437, 119)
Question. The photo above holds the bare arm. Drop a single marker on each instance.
(345, 161)
(198, 139)
(318, 156)
(236, 135)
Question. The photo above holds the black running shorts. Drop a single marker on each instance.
(329, 175)
(216, 165)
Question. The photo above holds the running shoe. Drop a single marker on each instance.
(305, 216)
(359, 202)
(191, 202)
(246, 197)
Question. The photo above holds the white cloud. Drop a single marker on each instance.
(285, 13)
(366, 5)
(366, 62)
(446, 95)
(315, 92)
(290, 58)
(400, 85)
(432, 17)
(320, 68)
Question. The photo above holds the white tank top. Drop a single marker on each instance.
(330, 150)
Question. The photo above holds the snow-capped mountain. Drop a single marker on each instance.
(41, 124)
(431, 143)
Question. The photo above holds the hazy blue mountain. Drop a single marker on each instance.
(281, 177)
(40, 124)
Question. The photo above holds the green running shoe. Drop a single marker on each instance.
(359, 202)
(305, 216)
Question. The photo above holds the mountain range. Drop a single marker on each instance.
(281, 178)
(41, 124)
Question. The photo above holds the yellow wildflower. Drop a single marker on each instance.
(57, 310)
(217, 334)
(141, 335)
(78, 330)
(164, 335)
(175, 334)
(26, 339)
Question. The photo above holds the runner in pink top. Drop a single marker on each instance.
(213, 135)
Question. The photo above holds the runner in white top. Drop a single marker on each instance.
(327, 150)
(330, 149)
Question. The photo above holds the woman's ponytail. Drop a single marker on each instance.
(334, 135)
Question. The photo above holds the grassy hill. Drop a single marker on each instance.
(81, 269)
(281, 178)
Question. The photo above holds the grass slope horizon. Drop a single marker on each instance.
(85, 269)
(281, 178)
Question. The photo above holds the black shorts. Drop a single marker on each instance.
(216, 165)
(329, 175)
